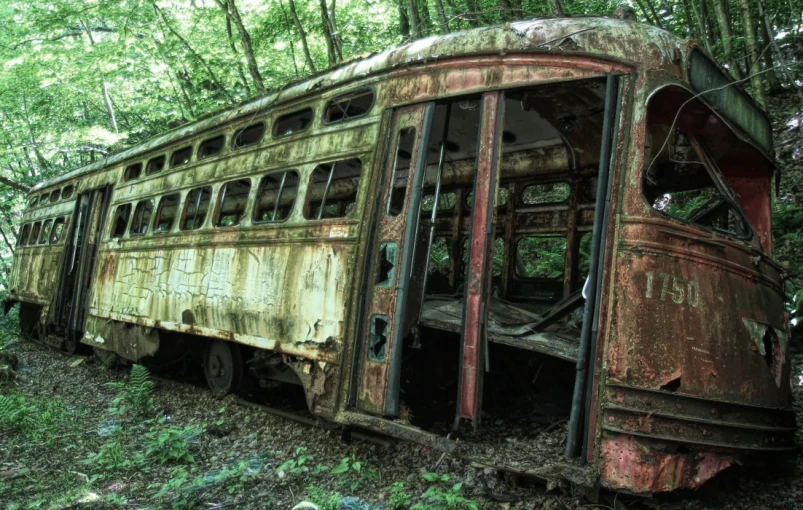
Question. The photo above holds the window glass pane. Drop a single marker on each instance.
(211, 147)
(249, 135)
(232, 201)
(551, 193)
(292, 123)
(378, 338)
(349, 106)
(121, 217)
(166, 213)
(155, 165)
(276, 196)
(678, 183)
(196, 207)
(401, 171)
(55, 195)
(142, 218)
(23, 240)
(132, 171)
(540, 256)
(35, 233)
(181, 156)
(333, 186)
(58, 230)
(67, 192)
(387, 264)
(45, 235)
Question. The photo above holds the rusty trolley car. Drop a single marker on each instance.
(584, 199)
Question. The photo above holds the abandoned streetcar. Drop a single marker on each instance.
(564, 217)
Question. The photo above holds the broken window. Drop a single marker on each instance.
(540, 256)
(401, 171)
(349, 106)
(35, 233)
(196, 207)
(181, 156)
(166, 213)
(55, 195)
(679, 182)
(232, 201)
(142, 217)
(57, 230)
(501, 198)
(67, 192)
(292, 123)
(249, 135)
(378, 341)
(333, 186)
(34, 201)
(43, 199)
(276, 196)
(132, 172)
(550, 193)
(155, 165)
(446, 202)
(45, 235)
(121, 217)
(211, 147)
(387, 264)
(23, 239)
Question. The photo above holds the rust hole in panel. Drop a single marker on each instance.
(672, 386)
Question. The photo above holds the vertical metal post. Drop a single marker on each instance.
(278, 197)
(326, 189)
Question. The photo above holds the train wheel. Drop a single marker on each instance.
(223, 367)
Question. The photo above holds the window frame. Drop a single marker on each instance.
(255, 208)
(149, 165)
(202, 145)
(127, 175)
(158, 214)
(221, 197)
(114, 220)
(349, 96)
(238, 132)
(186, 206)
(275, 135)
(188, 150)
(64, 221)
(308, 209)
(131, 232)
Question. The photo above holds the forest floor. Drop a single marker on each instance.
(77, 451)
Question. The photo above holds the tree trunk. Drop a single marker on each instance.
(412, 16)
(556, 7)
(753, 53)
(14, 184)
(702, 33)
(762, 9)
(720, 9)
(404, 23)
(654, 13)
(442, 20)
(240, 73)
(425, 18)
(231, 11)
(8, 243)
(329, 35)
(106, 99)
(302, 35)
(773, 82)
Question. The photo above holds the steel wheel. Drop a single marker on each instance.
(223, 367)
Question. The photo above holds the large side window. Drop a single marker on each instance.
(333, 189)
(195, 208)
(23, 239)
(232, 201)
(679, 182)
(292, 123)
(155, 165)
(276, 196)
(349, 106)
(541, 256)
(249, 135)
(166, 213)
(45, 235)
(142, 218)
(58, 229)
(121, 217)
(35, 233)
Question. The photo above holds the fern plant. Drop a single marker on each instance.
(136, 395)
(34, 419)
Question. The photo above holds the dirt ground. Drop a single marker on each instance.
(84, 454)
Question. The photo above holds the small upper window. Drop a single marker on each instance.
(43, 199)
(232, 201)
(249, 135)
(349, 106)
(45, 235)
(211, 147)
(55, 195)
(551, 193)
(276, 196)
(121, 217)
(181, 156)
(155, 165)
(34, 201)
(57, 230)
(166, 213)
(195, 208)
(333, 188)
(292, 123)
(35, 233)
(23, 239)
(142, 218)
(67, 191)
(132, 172)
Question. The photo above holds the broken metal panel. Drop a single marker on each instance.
(130, 341)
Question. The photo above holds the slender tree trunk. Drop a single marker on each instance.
(14, 184)
(8, 243)
(404, 22)
(556, 7)
(231, 11)
(302, 35)
(474, 15)
(644, 12)
(106, 99)
(412, 15)
(194, 53)
(240, 72)
(505, 9)
(290, 33)
(753, 52)
(721, 11)
(702, 33)
(762, 6)
(426, 19)
(40, 159)
(654, 13)
(442, 20)
(773, 82)
(329, 34)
